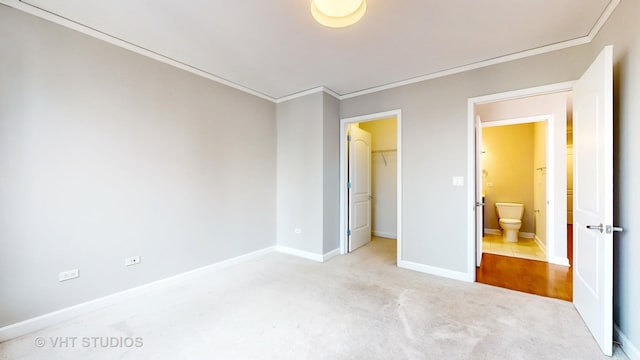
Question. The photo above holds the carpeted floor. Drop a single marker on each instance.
(359, 306)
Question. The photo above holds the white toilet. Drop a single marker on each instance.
(510, 215)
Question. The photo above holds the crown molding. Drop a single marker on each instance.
(308, 92)
(604, 17)
(33, 10)
(68, 23)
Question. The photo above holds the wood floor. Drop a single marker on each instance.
(530, 276)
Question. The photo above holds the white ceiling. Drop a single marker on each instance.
(274, 47)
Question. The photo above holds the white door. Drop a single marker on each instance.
(593, 198)
(359, 188)
(479, 198)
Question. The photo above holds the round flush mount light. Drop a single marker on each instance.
(338, 13)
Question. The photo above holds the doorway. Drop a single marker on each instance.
(380, 153)
(534, 157)
(548, 103)
(513, 169)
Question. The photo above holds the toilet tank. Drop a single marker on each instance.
(510, 210)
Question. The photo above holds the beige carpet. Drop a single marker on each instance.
(359, 306)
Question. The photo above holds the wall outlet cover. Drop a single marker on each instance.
(68, 274)
(133, 260)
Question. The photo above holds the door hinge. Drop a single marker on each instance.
(349, 232)
(349, 185)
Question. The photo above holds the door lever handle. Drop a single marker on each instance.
(596, 227)
(609, 229)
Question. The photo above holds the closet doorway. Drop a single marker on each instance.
(370, 180)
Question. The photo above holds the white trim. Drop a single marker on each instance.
(473, 66)
(456, 275)
(517, 94)
(300, 253)
(328, 255)
(397, 114)
(471, 159)
(541, 245)
(385, 235)
(525, 235)
(625, 344)
(308, 92)
(523, 120)
(55, 18)
(558, 260)
(603, 19)
(40, 322)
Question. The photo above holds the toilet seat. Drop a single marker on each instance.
(508, 221)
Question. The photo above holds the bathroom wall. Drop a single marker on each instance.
(507, 165)
(383, 176)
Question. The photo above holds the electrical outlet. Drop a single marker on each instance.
(68, 275)
(132, 260)
(297, 231)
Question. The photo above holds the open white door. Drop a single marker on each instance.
(593, 198)
(479, 198)
(359, 188)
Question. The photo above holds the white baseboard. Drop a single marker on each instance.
(625, 344)
(558, 260)
(541, 245)
(384, 234)
(526, 235)
(40, 322)
(330, 254)
(456, 275)
(300, 253)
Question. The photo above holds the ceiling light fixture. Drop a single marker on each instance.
(338, 13)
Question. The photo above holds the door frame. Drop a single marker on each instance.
(471, 158)
(344, 122)
(550, 196)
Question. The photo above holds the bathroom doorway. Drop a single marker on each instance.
(539, 181)
(514, 176)
(370, 205)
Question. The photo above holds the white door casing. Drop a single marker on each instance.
(359, 191)
(593, 198)
(479, 197)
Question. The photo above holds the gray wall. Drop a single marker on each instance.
(434, 119)
(308, 173)
(300, 177)
(106, 154)
(331, 173)
(434, 140)
(622, 32)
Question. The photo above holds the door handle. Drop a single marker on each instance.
(609, 229)
(596, 227)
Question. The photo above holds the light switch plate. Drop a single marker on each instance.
(458, 181)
